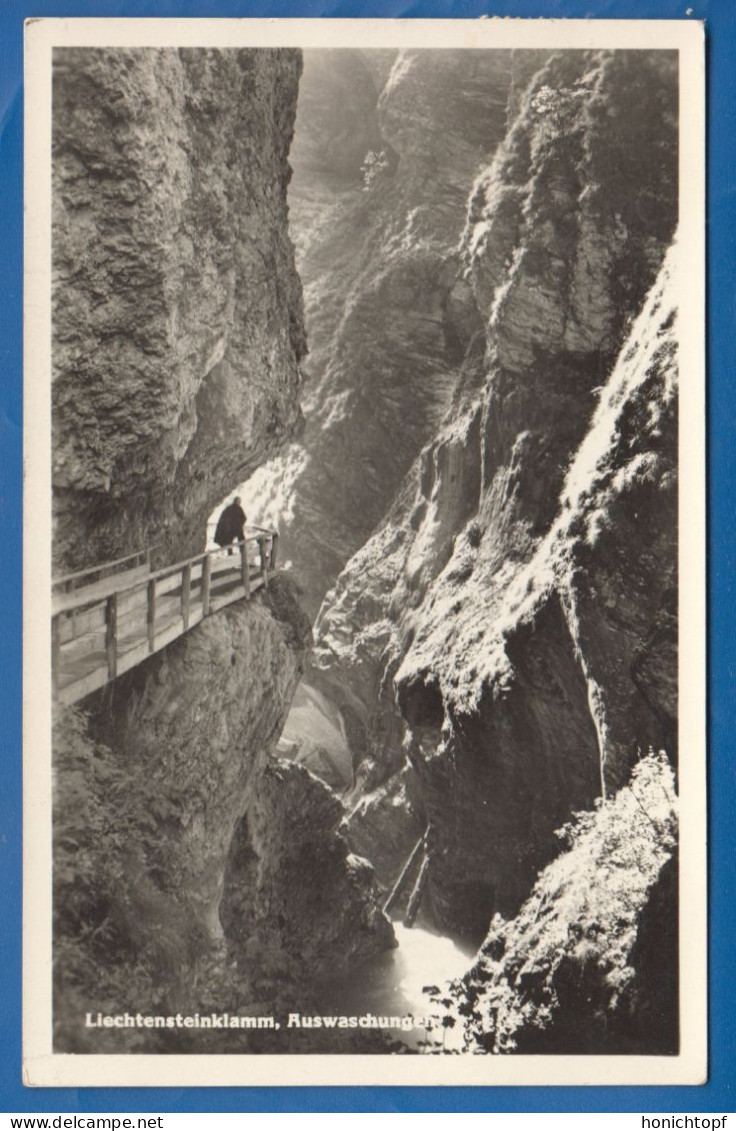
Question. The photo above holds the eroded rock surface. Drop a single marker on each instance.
(203, 716)
(515, 610)
(177, 337)
(202, 851)
(314, 902)
(177, 308)
(388, 317)
(587, 966)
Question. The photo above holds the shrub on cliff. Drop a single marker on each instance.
(375, 169)
(561, 976)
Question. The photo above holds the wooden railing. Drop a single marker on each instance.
(71, 581)
(102, 628)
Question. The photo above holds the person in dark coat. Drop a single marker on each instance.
(231, 524)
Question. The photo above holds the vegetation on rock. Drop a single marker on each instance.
(561, 976)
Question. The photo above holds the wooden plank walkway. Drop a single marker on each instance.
(102, 626)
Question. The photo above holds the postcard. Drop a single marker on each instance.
(364, 552)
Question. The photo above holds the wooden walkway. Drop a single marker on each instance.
(108, 619)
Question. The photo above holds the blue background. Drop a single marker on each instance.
(718, 1094)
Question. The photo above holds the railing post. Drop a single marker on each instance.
(70, 586)
(111, 634)
(245, 568)
(206, 580)
(151, 614)
(264, 560)
(186, 591)
(55, 652)
(274, 549)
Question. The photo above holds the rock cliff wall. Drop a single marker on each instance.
(511, 625)
(167, 790)
(177, 308)
(191, 873)
(384, 158)
(199, 720)
(587, 965)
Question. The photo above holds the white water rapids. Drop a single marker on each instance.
(392, 984)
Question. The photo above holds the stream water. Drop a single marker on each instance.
(392, 984)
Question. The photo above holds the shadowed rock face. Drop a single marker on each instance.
(589, 964)
(203, 716)
(388, 318)
(314, 903)
(207, 868)
(177, 336)
(516, 609)
(244, 850)
(177, 307)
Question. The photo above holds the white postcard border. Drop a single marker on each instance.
(42, 1067)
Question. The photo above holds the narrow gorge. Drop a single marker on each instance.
(418, 309)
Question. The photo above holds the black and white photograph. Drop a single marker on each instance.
(365, 677)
